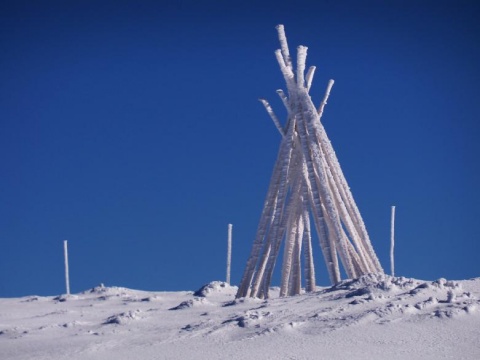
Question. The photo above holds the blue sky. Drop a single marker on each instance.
(133, 130)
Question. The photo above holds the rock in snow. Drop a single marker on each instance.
(372, 317)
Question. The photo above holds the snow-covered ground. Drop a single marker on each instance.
(374, 317)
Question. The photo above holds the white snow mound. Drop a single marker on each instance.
(215, 287)
(364, 318)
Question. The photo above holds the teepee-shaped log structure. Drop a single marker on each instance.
(307, 183)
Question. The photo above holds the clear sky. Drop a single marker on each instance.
(133, 130)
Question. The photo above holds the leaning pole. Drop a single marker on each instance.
(307, 185)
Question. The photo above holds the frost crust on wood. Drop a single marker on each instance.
(307, 183)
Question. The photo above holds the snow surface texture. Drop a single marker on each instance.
(373, 317)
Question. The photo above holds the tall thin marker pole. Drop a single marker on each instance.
(229, 252)
(65, 253)
(392, 241)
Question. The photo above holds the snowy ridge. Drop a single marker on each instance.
(120, 323)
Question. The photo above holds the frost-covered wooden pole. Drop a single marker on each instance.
(229, 252)
(273, 116)
(392, 241)
(65, 253)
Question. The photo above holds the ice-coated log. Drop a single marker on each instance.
(278, 230)
(309, 266)
(328, 249)
(286, 70)
(273, 116)
(292, 233)
(301, 59)
(345, 218)
(317, 175)
(353, 209)
(266, 219)
(284, 45)
(281, 193)
(325, 98)
(284, 99)
(310, 115)
(309, 77)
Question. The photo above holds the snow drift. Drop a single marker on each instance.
(366, 318)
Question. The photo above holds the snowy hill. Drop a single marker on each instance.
(373, 317)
